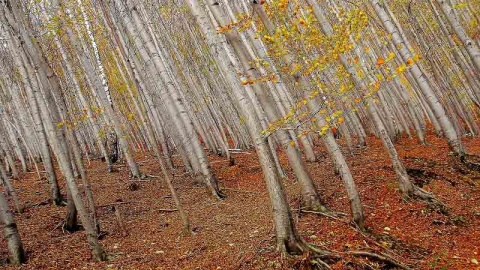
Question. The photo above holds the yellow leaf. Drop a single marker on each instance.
(401, 68)
(391, 56)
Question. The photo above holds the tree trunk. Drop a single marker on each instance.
(10, 230)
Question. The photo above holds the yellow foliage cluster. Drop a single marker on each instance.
(244, 21)
(270, 77)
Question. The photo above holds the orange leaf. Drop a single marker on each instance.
(380, 61)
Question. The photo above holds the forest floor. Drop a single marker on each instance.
(237, 232)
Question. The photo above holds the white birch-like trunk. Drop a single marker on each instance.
(432, 100)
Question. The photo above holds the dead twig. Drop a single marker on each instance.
(113, 204)
(332, 215)
(243, 191)
(59, 224)
(139, 180)
(166, 210)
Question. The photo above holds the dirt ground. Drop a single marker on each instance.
(237, 232)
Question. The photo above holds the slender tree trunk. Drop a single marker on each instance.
(422, 81)
(10, 230)
(470, 45)
(288, 240)
(328, 139)
(10, 190)
(17, 20)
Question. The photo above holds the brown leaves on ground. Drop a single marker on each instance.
(237, 232)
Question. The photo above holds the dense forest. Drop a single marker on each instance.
(240, 134)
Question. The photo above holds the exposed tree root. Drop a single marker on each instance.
(311, 203)
(472, 165)
(383, 257)
(218, 194)
(316, 206)
(298, 247)
(471, 161)
(423, 194)
(319, 257)
(431, 200)
(320, 264)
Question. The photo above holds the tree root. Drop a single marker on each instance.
(319, 255)
(431, 200)
(217, 194)
(467, 160)
(320, 264)
(299, 247)
(319, 258)
(383, 257)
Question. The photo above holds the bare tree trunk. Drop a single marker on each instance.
(422, 81)
(10, 230)
(10, 189)
(288, 240)
(17, 20)
(328, 139)
(119, 134)
(71, 221)
(470, 45)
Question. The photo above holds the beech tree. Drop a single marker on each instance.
(88, 79)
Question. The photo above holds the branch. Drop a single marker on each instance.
(166, 210)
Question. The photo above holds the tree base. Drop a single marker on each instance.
(430, 199)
